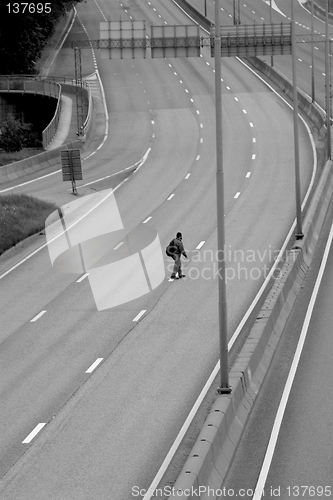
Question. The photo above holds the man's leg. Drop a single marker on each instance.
(176, 267)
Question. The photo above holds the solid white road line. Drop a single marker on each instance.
(286, 392)
(138, 316)
(94, 365)
(33, 433)
(82, 278)
(37, 317)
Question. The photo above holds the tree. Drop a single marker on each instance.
(23, 36)
(14, 135)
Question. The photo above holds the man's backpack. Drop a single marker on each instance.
(171, 249)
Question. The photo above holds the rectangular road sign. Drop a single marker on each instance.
(124, 39)
(175, 41)
(71, 165)
(254, 40)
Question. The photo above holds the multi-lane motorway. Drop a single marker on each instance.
(108, 428)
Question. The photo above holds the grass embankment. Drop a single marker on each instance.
(20, 217)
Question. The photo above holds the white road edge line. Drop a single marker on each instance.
(37, 316)
(94, 365)
(286, 392)
(33, 433)
(138, 316)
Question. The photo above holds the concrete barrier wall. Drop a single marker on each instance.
(197, 16)
(319, 11)
(310, 109)
(35, 163)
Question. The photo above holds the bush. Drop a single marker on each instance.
(21, 216)
(15, 135)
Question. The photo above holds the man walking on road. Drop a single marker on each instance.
(178, 251)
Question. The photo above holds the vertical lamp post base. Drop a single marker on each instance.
(224, 390)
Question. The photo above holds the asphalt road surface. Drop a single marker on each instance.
(109, 430)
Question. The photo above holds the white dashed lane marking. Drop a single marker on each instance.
(138, 316)
(171, 196)
(37, 316)
(33, 433)
(148, 219)
(82, 278)
(201, 244)
(94, 365)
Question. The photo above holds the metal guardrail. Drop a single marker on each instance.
(50, 131)
(50, 86)
(23, 84)
(33, 85)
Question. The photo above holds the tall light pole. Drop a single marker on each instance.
(327, 83)
(299, 233)
(271, 22)
(223, 332)
(312, 57)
